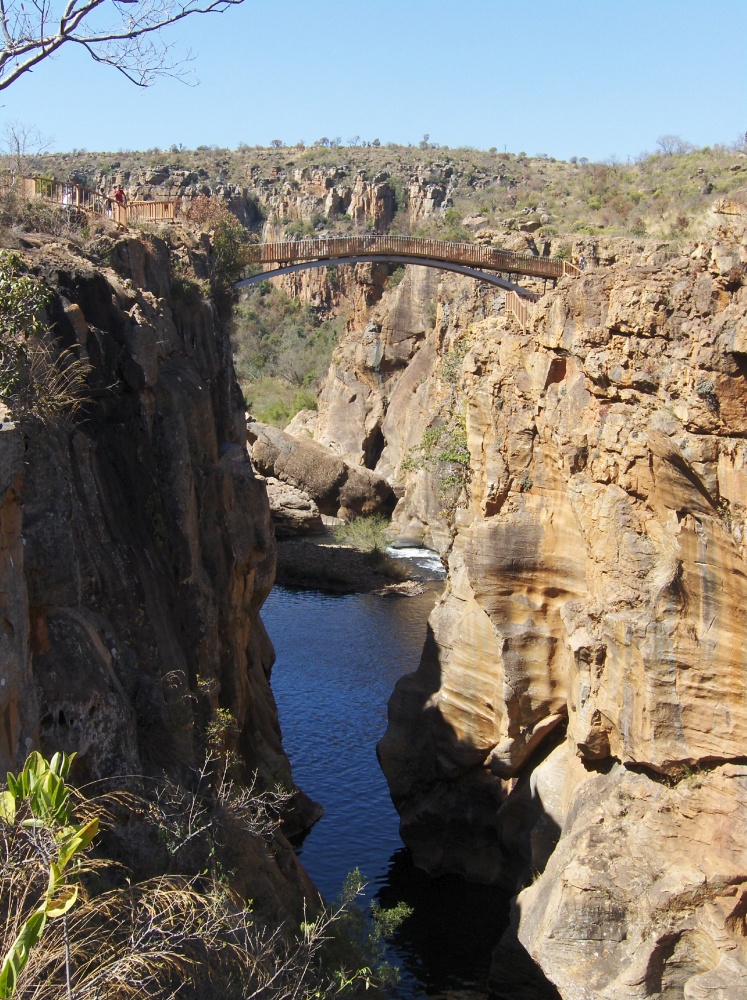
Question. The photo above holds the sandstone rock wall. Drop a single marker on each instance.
(586, 662)
(136, 545)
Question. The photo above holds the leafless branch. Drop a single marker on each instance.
(125, 34)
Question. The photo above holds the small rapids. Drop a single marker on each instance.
(425, 560)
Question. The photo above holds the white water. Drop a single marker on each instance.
(425, 559)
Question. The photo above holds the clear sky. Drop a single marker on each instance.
(594, 78)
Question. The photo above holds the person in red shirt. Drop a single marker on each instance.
(119, 196)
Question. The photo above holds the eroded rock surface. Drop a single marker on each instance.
(596, 581)
(337, 488)
(137, 546)
(645, 894)
(293, 511)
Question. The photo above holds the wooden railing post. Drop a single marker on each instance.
(517, 307)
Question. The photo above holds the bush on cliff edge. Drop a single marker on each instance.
(75, 924)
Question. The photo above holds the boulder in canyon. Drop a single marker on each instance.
(336, 487)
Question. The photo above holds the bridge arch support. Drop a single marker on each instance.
(470, 272)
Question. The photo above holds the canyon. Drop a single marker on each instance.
(576, 725)
(575, 731)
(137, 549)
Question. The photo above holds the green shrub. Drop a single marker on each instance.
(368, 534)
(443, 451)
(37, 801)
(303, 400)
(35, 380)
(395, 278)
(278, 414)
(453, 360)
(358, 939)
(299, 229)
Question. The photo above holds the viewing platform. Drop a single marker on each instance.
(78, 196)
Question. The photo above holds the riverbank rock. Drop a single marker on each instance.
(336, 487)
(323, 564)
(293, 511)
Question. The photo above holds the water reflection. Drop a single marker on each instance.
(338, 659)
(447, 942)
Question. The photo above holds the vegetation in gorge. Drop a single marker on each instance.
(367, 534)
(442, 450)
(281, 351)
(76, 925)
(358, 938)
(37, 380)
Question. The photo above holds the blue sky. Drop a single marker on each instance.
(595, 78)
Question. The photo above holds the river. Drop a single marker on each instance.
(338, 659)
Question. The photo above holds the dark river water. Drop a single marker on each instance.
(338, 659)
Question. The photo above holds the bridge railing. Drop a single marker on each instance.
(153, 211)
(336, 247)
(517, 307)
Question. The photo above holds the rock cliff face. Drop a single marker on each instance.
(581, 696)
(136, 542)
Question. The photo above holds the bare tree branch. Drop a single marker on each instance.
(125, 34)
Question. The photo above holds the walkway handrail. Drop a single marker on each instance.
(336, 247)
(69, 194)
(152, 211)
(517, 307)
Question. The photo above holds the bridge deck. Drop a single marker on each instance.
(471, 254)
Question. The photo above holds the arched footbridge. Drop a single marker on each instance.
(476, 260)
(485, 263)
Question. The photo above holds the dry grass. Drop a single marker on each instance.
(172, 935)
(53, 386)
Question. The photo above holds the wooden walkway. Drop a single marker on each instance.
(86, 199)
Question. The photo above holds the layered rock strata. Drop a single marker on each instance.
(136, 545)
(586, 662)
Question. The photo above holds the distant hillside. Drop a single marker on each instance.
(452, 193)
